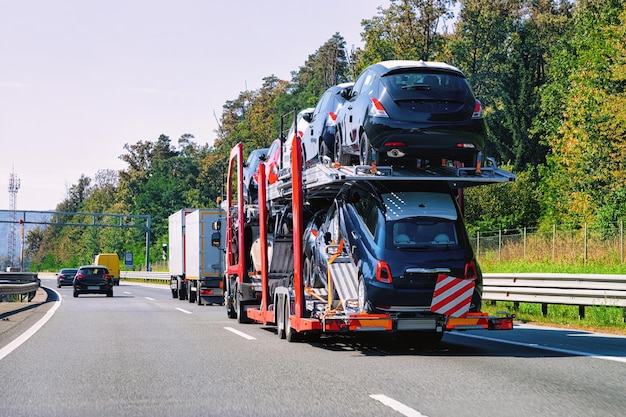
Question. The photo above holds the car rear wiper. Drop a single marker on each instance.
(416, 87)
(412, 247)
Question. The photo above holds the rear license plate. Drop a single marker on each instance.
(93, 287)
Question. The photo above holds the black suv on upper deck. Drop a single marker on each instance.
(406, 112)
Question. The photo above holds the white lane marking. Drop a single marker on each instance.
(184, 311)
(548, 348)
(397, 406)
(242, 334)
(127, 292)
(149, 298)
(33, 329)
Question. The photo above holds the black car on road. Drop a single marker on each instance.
(93, 279)
(65, 277)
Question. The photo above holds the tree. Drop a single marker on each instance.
(407, 29)
(583, 118)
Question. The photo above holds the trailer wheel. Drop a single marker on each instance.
(230, 310)
(191, 296)
(229, 302)
(290, 333)
(280, 317)
(242, 317)
(198, 298)
(174, 293)
(182, 293)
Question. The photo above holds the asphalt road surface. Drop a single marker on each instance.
(142, 353)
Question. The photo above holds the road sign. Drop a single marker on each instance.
(128, 259)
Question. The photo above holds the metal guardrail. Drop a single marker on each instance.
(145, 275)
(570, 289)
(19, 283)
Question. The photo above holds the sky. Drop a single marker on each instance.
(79, 79)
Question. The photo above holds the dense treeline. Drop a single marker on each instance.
(551, 75)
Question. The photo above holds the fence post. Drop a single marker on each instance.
(621, 241)
(553, 241)
(524, 242)
(477, 243)
(500, 245)
(585, 245)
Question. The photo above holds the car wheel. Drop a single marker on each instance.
(110, 293)
(307, 272)
(58, 285)
(75, 294)
(364, 306)
(365, 151)
(339, 155)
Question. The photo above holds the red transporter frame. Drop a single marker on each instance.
(296, 320)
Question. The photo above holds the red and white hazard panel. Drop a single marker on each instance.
(452, 296)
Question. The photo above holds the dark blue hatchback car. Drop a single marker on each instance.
(399, 238)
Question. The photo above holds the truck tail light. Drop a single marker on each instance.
(383, 273)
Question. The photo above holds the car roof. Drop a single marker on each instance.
(257, 151)
(418, 204)
(393, 65)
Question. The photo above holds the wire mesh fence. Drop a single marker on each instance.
(576, 244)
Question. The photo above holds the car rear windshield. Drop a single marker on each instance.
(94, 271)
(422, 233)
(432, 86)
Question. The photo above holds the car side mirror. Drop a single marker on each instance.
(307, 117)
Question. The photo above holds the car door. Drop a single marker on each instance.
(356, 109)
(328, 236)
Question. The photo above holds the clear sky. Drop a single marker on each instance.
(81, 78)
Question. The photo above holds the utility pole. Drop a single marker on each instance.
(14, 186)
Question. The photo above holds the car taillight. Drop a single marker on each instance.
(79, 276)
(383, 273)
(478, 110)
(377, 109)
(465, 145)
(107, 276)
(395, 144)
(470, 270)
(62, 276)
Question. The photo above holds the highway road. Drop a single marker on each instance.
(142, 353)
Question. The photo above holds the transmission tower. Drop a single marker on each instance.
(14, 185)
